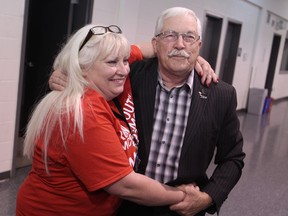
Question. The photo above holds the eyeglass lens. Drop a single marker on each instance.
(172, 36)
(98, 30)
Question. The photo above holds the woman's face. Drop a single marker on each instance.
(108, 76)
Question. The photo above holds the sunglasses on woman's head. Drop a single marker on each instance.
(100, 30)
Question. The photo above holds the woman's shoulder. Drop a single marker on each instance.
(92, 100)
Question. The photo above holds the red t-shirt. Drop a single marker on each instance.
(79, 171)
(126, 101)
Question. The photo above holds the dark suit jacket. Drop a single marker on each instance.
(212, 124)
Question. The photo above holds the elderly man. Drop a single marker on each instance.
(181, 123)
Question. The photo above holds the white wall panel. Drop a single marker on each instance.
(11, 25)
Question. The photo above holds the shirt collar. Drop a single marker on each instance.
(189, 82)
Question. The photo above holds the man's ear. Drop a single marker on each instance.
(154, 44)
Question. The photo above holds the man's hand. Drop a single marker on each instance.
(205, 71)
(57, 81)
(194, 201)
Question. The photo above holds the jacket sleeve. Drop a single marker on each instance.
(229, 158)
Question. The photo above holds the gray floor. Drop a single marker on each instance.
(263, 188)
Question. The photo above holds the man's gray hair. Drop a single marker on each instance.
(176, 11)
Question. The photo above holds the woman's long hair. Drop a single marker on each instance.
(61, 105)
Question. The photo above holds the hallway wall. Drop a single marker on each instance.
(137, 19)
(11, 25)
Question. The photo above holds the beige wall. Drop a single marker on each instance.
(137, 19)
(11, 24)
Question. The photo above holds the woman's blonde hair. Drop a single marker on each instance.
(61, 105)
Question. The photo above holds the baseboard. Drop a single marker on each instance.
(5, 175)
(279, 100)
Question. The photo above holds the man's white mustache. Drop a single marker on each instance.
(180, 53)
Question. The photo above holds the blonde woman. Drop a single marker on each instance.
(83, 150)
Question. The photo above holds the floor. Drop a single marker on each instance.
(21, 161)
(263, 188)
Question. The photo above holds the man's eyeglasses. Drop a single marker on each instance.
(100, 30)
(172, 36)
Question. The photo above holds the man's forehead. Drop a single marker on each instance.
(181, 22)
(179, 29)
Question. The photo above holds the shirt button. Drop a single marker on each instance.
(167, 119)
(163, 142)
(158, 165)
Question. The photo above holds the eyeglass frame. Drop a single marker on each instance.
(177, 34)
(91, 33)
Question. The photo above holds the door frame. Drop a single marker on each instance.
(230, 51)
(80, 13)
(272, 63)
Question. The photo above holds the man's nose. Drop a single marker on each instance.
(179, 43)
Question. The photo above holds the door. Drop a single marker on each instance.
(272, 64)
(47, 26)
(230, 52)
(211, 39)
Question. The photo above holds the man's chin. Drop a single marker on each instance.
(177, 58)
(180, 65)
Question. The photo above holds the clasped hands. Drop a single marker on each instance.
(194, 201)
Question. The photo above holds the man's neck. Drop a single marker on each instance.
(170, 80)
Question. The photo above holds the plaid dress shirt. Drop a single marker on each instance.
(170, 119)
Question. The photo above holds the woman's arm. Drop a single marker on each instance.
(58, 80)
(202, 67)
(206, 72)
(146, 49)
(145, 191)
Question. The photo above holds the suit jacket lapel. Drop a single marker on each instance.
(197, 107)
(147, 100)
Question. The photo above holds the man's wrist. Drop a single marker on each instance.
(207, 200)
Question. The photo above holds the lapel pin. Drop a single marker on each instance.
(202, 94)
